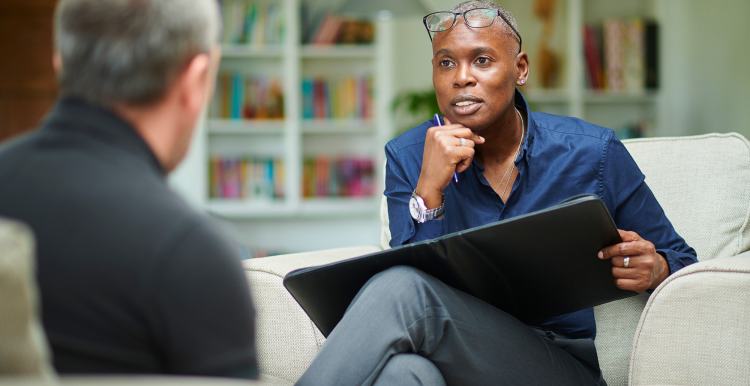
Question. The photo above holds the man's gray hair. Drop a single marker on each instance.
(474, 4)
(130, 51)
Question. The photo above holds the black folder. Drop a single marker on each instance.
(535, 266)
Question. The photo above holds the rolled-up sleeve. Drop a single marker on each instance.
(399, 185)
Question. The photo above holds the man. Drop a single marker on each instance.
(132, 280)
(406, 327)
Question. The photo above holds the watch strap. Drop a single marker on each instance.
(432, 214)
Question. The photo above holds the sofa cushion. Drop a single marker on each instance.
(23, 346)
(287, 340)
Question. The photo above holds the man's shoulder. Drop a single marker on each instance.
(15, 152)
(52, 178)
(558, 125)
(410, 138)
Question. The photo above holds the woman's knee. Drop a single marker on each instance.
(398, 281)
(410, 369)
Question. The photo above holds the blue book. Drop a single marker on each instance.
(268, 180)
(237, 96)
(307, 98)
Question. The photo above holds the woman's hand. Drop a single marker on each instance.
(646, 269)
(443, 155)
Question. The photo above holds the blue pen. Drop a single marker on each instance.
(437, 123)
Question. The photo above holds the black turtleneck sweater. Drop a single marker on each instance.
(132, 279)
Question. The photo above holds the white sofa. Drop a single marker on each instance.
(693, 330)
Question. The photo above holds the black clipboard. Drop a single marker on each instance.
(535, 266)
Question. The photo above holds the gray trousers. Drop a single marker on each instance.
(407, 328)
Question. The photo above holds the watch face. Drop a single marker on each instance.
(414, 208)
(417, 209)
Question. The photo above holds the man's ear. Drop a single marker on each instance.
(193, 83)
(522, 68)
(57, 62)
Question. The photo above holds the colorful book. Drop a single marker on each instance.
(233, 177)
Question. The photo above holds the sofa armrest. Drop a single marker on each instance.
(694, 328)
(286, 338)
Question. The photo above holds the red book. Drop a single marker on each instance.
(322, 167)
(319, 98)
(587, 56)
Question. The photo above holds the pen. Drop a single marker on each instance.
(437, 123)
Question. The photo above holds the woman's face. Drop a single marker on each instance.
(474, 72)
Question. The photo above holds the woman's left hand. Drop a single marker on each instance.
(645, 269)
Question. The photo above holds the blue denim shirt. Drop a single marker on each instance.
(561, 157)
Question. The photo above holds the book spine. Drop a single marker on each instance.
(591, 81)
(346, 98)
(307, 98)
(613, 53)
(236, 99)
(651, 55)
(279, 178)
(342, 176)
(246, 178)
(225, 92)
(633, 62)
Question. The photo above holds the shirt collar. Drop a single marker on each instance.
(75, 115)
(521, 104)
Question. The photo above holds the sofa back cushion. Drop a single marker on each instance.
(703, 184)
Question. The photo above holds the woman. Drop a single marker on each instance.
(406, 327)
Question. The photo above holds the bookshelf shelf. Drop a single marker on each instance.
(245, 127)
(334, 207)
(616, 97)
(547, 96)
(339, 206)
(337, 52)
(250, 51)
(247, 209)
(338, 126)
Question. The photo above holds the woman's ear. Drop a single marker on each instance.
(522, 68)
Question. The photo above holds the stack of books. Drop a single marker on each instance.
(251, 22)
(347, 98)
(246, 178)
(324, 176)
(241, 96)
(621, 55)
(324, 28)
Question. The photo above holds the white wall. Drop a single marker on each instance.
(705, 73)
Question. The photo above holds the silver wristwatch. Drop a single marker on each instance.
(419, 210)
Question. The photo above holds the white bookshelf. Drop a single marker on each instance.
(572, 97)
(294, 138)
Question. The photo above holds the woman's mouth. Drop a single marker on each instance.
(466, 107)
